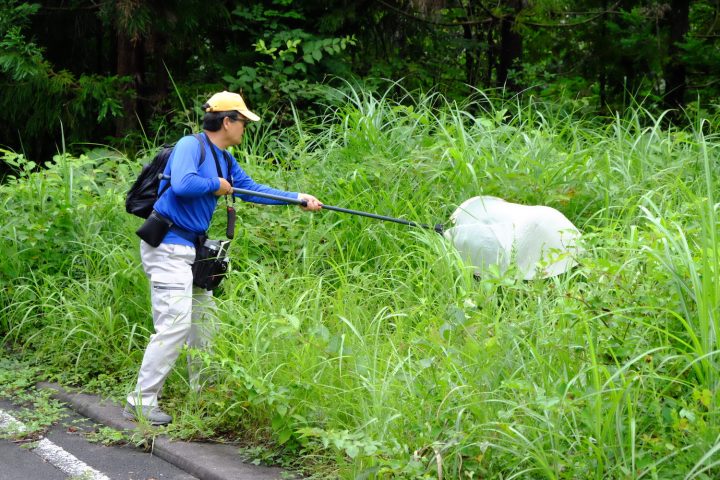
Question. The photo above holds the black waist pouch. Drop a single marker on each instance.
(154, 229)
(211, 263)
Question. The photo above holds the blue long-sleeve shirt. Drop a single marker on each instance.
(190, 201)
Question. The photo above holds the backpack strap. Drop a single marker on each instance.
(229, 168)
(230, 231)
(198, 137)
(217, 163)
(226, 155)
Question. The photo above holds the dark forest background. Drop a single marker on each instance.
(84, 71)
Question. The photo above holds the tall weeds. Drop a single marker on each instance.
(368, 349)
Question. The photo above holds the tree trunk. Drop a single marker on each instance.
(510, 46)
(469, 56)
(600, 52)
(490, 53)
(157, 86)
(472, 34)
(128, 64)
(675, 71)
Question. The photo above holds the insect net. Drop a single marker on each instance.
(539, 240)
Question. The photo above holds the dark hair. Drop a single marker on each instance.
(212, 121)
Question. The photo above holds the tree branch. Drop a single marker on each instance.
(595, 16)
(492, 16)
(431, 22)
(93, 6)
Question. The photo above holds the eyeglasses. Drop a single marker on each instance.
(235, 119)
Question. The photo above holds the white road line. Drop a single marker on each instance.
(67, 462)
(10, 424)
(47, 450)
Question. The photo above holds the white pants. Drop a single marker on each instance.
(181, 314)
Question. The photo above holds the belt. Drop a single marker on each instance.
(191, 237)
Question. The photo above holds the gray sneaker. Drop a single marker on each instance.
(152, 414)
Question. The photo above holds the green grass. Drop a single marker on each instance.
(37, 411)
(359, 349)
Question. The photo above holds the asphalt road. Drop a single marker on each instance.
(66, 444)
(20, 463)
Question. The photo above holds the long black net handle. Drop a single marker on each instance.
(241, 191)
(438, 228)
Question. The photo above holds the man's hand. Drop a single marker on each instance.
(225, 188)
(313, 204)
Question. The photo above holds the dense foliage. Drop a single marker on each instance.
(368, 350)
(112, 71)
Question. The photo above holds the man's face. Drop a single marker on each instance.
(235, 129)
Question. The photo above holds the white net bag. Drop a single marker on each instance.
(541, 241)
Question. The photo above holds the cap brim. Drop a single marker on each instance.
(249, 115)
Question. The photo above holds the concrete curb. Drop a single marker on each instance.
(206, 461)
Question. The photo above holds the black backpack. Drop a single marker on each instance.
(143, 194)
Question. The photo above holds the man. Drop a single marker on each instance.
(183, 313)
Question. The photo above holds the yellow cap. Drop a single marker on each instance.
(226, 101)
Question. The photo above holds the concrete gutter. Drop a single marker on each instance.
(206, 461)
